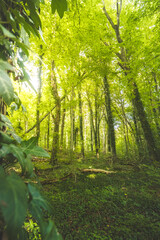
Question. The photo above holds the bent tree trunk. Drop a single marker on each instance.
(135, 98)
(56, 117)
(111, 132)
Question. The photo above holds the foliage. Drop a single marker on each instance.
(122, 205)
(17, 20)
(33, 229)
(25, 195)
(84, 48)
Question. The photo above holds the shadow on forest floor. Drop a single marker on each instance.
(121, 205)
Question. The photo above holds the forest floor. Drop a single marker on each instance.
(123, 204)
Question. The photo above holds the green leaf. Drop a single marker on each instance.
(49, 231)
(5, 121)
(5, 65)
(4, 138)
(24, 47)
(33, 13)
(26, 23)
(4, 150)
(60, 6)
(18, 154)
(16, 151)
(28, 167)
(6, 89)
(7, 33)
(37, 202)
(39, 152)
(28, 145)
(13, 203)
(15, 136)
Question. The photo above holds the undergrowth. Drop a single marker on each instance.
(121, 205)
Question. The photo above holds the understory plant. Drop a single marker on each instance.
(19, 191)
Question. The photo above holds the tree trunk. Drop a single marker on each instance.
(137, 136)
(93, 126)
(39, 95)
(81, 124)
(104, 136)
(91, 132)
(48, 131)
(137, 102)
(56, 117)
(111, 132)
(72, 121)
(3, 110)
(96, 123)
(136, 98)
(62, 126)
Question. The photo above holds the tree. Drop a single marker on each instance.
(135, 95)
(16, 19)
(56, 116)
(111, 132)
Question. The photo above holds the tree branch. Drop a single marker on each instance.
(83, 76)
(109, 18)
(114, 26)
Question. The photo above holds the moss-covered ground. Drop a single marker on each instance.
(121, 205)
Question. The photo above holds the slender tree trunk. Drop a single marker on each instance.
(111, 132)
(48, 131)
(104, 136)
(125, 138)
(91, 132)
(3, 110)
(94, 130)
(56, 117)
(136, 98)
(81, 124)
(137, 136)
(72, 124)
(96, 123)
(62, 126)
(39, 95)
(98, 133)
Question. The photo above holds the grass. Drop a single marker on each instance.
(117, 206)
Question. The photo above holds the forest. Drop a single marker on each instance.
(79, 119)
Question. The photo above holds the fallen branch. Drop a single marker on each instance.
(96, 170)
(50, 181)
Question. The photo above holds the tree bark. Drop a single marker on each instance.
(93, 127)
(81, 124)
(48, 131)
(136, 98)
(56, 117)
(62, 126)
(91, 132)
(104, 136)
(39, 95)
(111, 132)
(72, 124)
(96, 123)
(3, 110)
